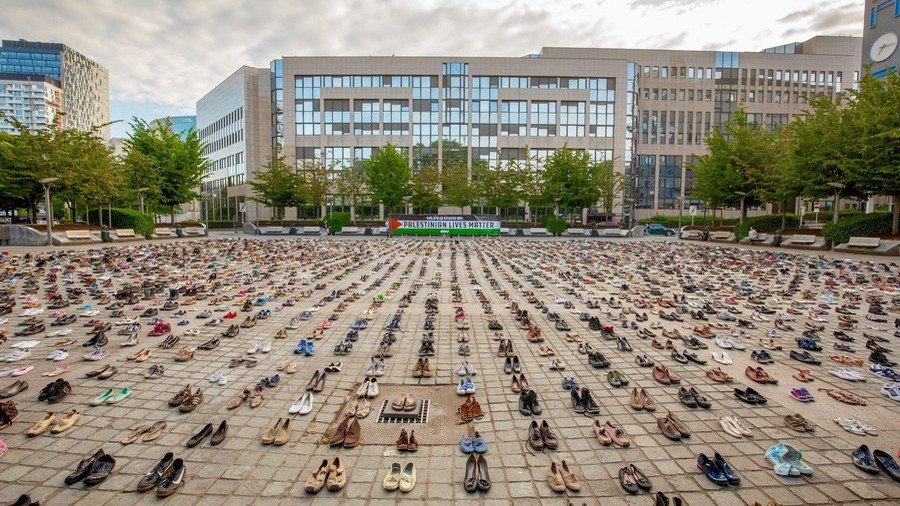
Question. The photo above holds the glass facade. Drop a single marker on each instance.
(45, 63)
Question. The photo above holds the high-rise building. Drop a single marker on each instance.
(648, 111)
(881, 29)
(83, 82)
(35, 101)
(180, 125)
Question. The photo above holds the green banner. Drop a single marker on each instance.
(458, 225)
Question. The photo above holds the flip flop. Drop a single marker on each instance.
(136, 433)
(155, 431)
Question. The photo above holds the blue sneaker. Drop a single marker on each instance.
(466, 445)
(309, 349)
(479, 444)
(301, 347)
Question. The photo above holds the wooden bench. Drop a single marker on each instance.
(803, 239)
(538, 231)
(165, 232)
(193, 231)
(79, 235)
(126, 233)
(864, 242)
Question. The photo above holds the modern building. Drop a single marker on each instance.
(646, 110)
(84, 83)
(33, 100)
(881, 29)
(180, 125)
(116, 146)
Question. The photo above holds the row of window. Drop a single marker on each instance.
(226, 162)
(232, 117)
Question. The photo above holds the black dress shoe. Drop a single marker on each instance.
(577, 403)
(200, 436)
(155, 475)
(590, 405)
(534, 406)
(101, 469)
(525, 403)
(84, 467)
(219, 435)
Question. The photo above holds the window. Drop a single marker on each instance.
(543, 118)
(669, 181)
(396, 117)
(337, 117)
(307, 117)
(646, 181)
(366, 117)
(571, 119)
(513, 117)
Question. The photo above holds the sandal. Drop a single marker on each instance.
(844, 396)
(238, 400)
(136, 433)
(803, 375)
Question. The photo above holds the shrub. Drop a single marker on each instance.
(142, 224)
(767, 223)
(220, 224)
(875, 224)
(336, 221)
(554, 224)
(825, 214)
(672, 221)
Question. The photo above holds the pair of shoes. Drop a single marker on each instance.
(474, 444)
(347, 434)
(640, 399)
(149, 433)
(59, 424)
(217, 436)
(787, 460)
(869, 462)
(798, 423)
(167, 476)
(303, 405)
(331, 475)
(477, 476)
(560, 477)
(466, 387)
(609, 434)
(407, 442)
(584, 402)
(692, 398)
(111, 396)
(92, 470)
(541, 436)
(633, 479)
(717, 470)
(404, 402)
(368, 388)
(279, 434)
(528, 403)
(733, 426)
(185, 400)
(317, 382)
(305, 347)
(422, 369)
(673, 428)
(402, 478)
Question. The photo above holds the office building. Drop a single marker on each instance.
(180, 125)
(84, 84)
(34, 101)
(646, 110)
(881, 29)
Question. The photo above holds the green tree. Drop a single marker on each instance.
(180, 162)
(387, 176)
(872, 160)
(314, 184)
(350, 184)
(457, 188)
(779, 183)
(501, 186)
(609, 184)
(425, 189)
(571, 179)
(276, 185)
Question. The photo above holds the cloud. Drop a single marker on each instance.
(169, 53)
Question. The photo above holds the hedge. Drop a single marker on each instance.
(142, 224)
(554, 224)
(336, 221)
(864, 225)
(767, 223)
(826, 214)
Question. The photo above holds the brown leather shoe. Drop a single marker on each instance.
(191, 402)
(572, 482)
(239, 399)
(417, 369)
(181, 396)
(648, 403)
(337, 439)
(617, 435)
(636, 401)
(354, 432)
(555, 479)
(427, 371)
(515, 384)
(679, 425)
(661, 375)
(550, 440)
(668, 430)
(523, 382)
(413, 442)
(257, 398)
(601, 434)
(403, 441)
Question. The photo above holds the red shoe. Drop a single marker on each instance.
(231, 314)
(160, 329)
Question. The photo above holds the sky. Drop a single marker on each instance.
(163, 55)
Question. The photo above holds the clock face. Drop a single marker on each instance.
(883, 47)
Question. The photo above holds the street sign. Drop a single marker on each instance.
(241, 207)
(693, 211)
(816, 206)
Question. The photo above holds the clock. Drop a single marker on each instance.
(883, 47)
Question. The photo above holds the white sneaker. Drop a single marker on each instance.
(363, 389)
(737, 345)
(58, 355)
(470, 369)
(16, 355)
(215, 377)
(461, 370)
(892, 391)
(253, 349)
(372, 391)
(266, 347)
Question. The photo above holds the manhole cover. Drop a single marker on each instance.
(436, 423)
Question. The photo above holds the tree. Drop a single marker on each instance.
(779, 182)
(276, 185)
(387, 176)
(609, 184)
(425, 188)
(179, 162)
(458, 190)
(500, 187)
(571, 179)
(872, 160)
(351, 184)
(314, 185)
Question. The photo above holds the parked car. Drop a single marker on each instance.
(659, 229)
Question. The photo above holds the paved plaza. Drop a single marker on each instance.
(637, 290)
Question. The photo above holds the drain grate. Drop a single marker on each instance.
(387, 415)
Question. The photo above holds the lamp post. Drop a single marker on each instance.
(141, 196)
(680, 212)
(743, 196)
(837, 195)
(46, 184)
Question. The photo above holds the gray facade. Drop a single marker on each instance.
(881, 30)
(647, 110)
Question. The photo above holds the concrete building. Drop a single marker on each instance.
(180, 125)
(33, 100)
(881, 29)
(84, 83)
(647, 110)
(116, 146)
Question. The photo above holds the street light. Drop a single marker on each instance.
(743, 196)
(141, 195)
(46, 184)
(837, 195)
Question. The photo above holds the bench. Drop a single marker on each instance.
(759, 238)
(721, 236)
(538, 231)
(349, 230)
(125, 233)
(803, 239)
(311, 231)
(193, 231)
(691, 235)
(273, 230)
(79, 235)
(575, 231)
(165, 232)
(613, 232)
(864, 242)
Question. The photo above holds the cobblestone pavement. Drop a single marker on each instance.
(243, 471)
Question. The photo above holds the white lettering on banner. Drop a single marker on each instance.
(448, 224)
